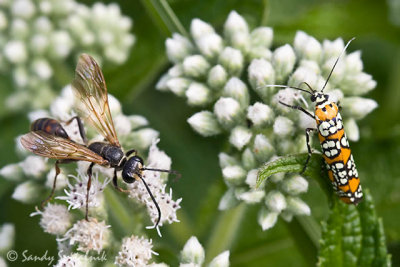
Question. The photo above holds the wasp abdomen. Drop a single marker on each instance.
(49, 126)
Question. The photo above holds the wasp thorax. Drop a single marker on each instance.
(132, 169)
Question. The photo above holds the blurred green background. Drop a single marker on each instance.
(377, 153)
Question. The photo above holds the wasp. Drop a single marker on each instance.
(49, 139)
(337, 154)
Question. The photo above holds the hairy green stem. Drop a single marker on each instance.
(118, 211)
(225, 231)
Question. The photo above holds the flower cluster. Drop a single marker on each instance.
(217, 72)
(35, 173)
(39, 36)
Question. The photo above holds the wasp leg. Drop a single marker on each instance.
(115, 183)
(81, 129)
(298, 108)
(89, 183)
(308, 131)
(60, 161)
(132, 151)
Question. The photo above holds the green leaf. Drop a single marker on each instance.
(295, 163)
(353, 236)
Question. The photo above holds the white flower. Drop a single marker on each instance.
(226, 160)
(261, 36)
(283, 60)
(26, 192)
(358, 107)
(60, 44)
(205, 123)
(141, 139)
(12, 172)
(234, 24)
(260, 114)
(7, 233)
(275, 201)
(195, 66)
(240, 136)
(262, 148)
(234, 174)
(222, 260)
(307, 47)
(217, 77)
(2, 262)
(352, 131)
(15, 52)
(227, 110)
(198, 94)
(283, 126)
(178, 47)
(295, 185)
(135, 251)
(55, 219)
(251, 197)
(267, 219)
(237, 89)
(73, 260)
(89, 235)
(228, 200)
(251, 178)
(23, 8)
(42, 69)
(332, 49)
(248, 159)
(76, 196)
(178, 85)
(297, 206)
(232, 60)
(192, 252)
(210, 45)
(261, 73)
(199, 28)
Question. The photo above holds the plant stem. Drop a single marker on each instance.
(164, 17)
(225, 231)
(118, 211)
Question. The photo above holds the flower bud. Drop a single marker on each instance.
(252, 196)
(217, 77)
(353, 63)
(198, 94)
(241, 41)
(205, 123)
(15, 51)
(358, 84)
(178, 47)
(195, 66)
(210, 45)
(192, 252)
(237, 89)
(240, 136)
(297, 206)
(283, 126)
(33, 166)
(251, 178)
(234, 174)
(267, 219)
(199, 28)
(222, 260)
(295, 185)
(248, 159)
(42, 69)
(352, 131)
(259, 52)
(228, 200)
(262, 148)
(260, 114)
(12, 172)
(232, 60)
(275, 201)
(307, 47)
(357, 107)
(228, 111)
(301, 75)
(262, 73)
(332, 49)
(137, 121)
(283, 60)
(26, 192)
(7, 233)
(140, 139)
(178, 85)
(234, 24)
(226, 160)
(262, 36)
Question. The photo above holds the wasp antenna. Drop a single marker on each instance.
(337, 60)
(176, 173)
(154, 201)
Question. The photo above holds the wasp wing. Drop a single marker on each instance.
(91, 91)
(55, 147)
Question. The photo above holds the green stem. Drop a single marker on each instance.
(306, 233)
(118, 211)
(164, 17)
(265, 13)
(225, 231)
(181, 231)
